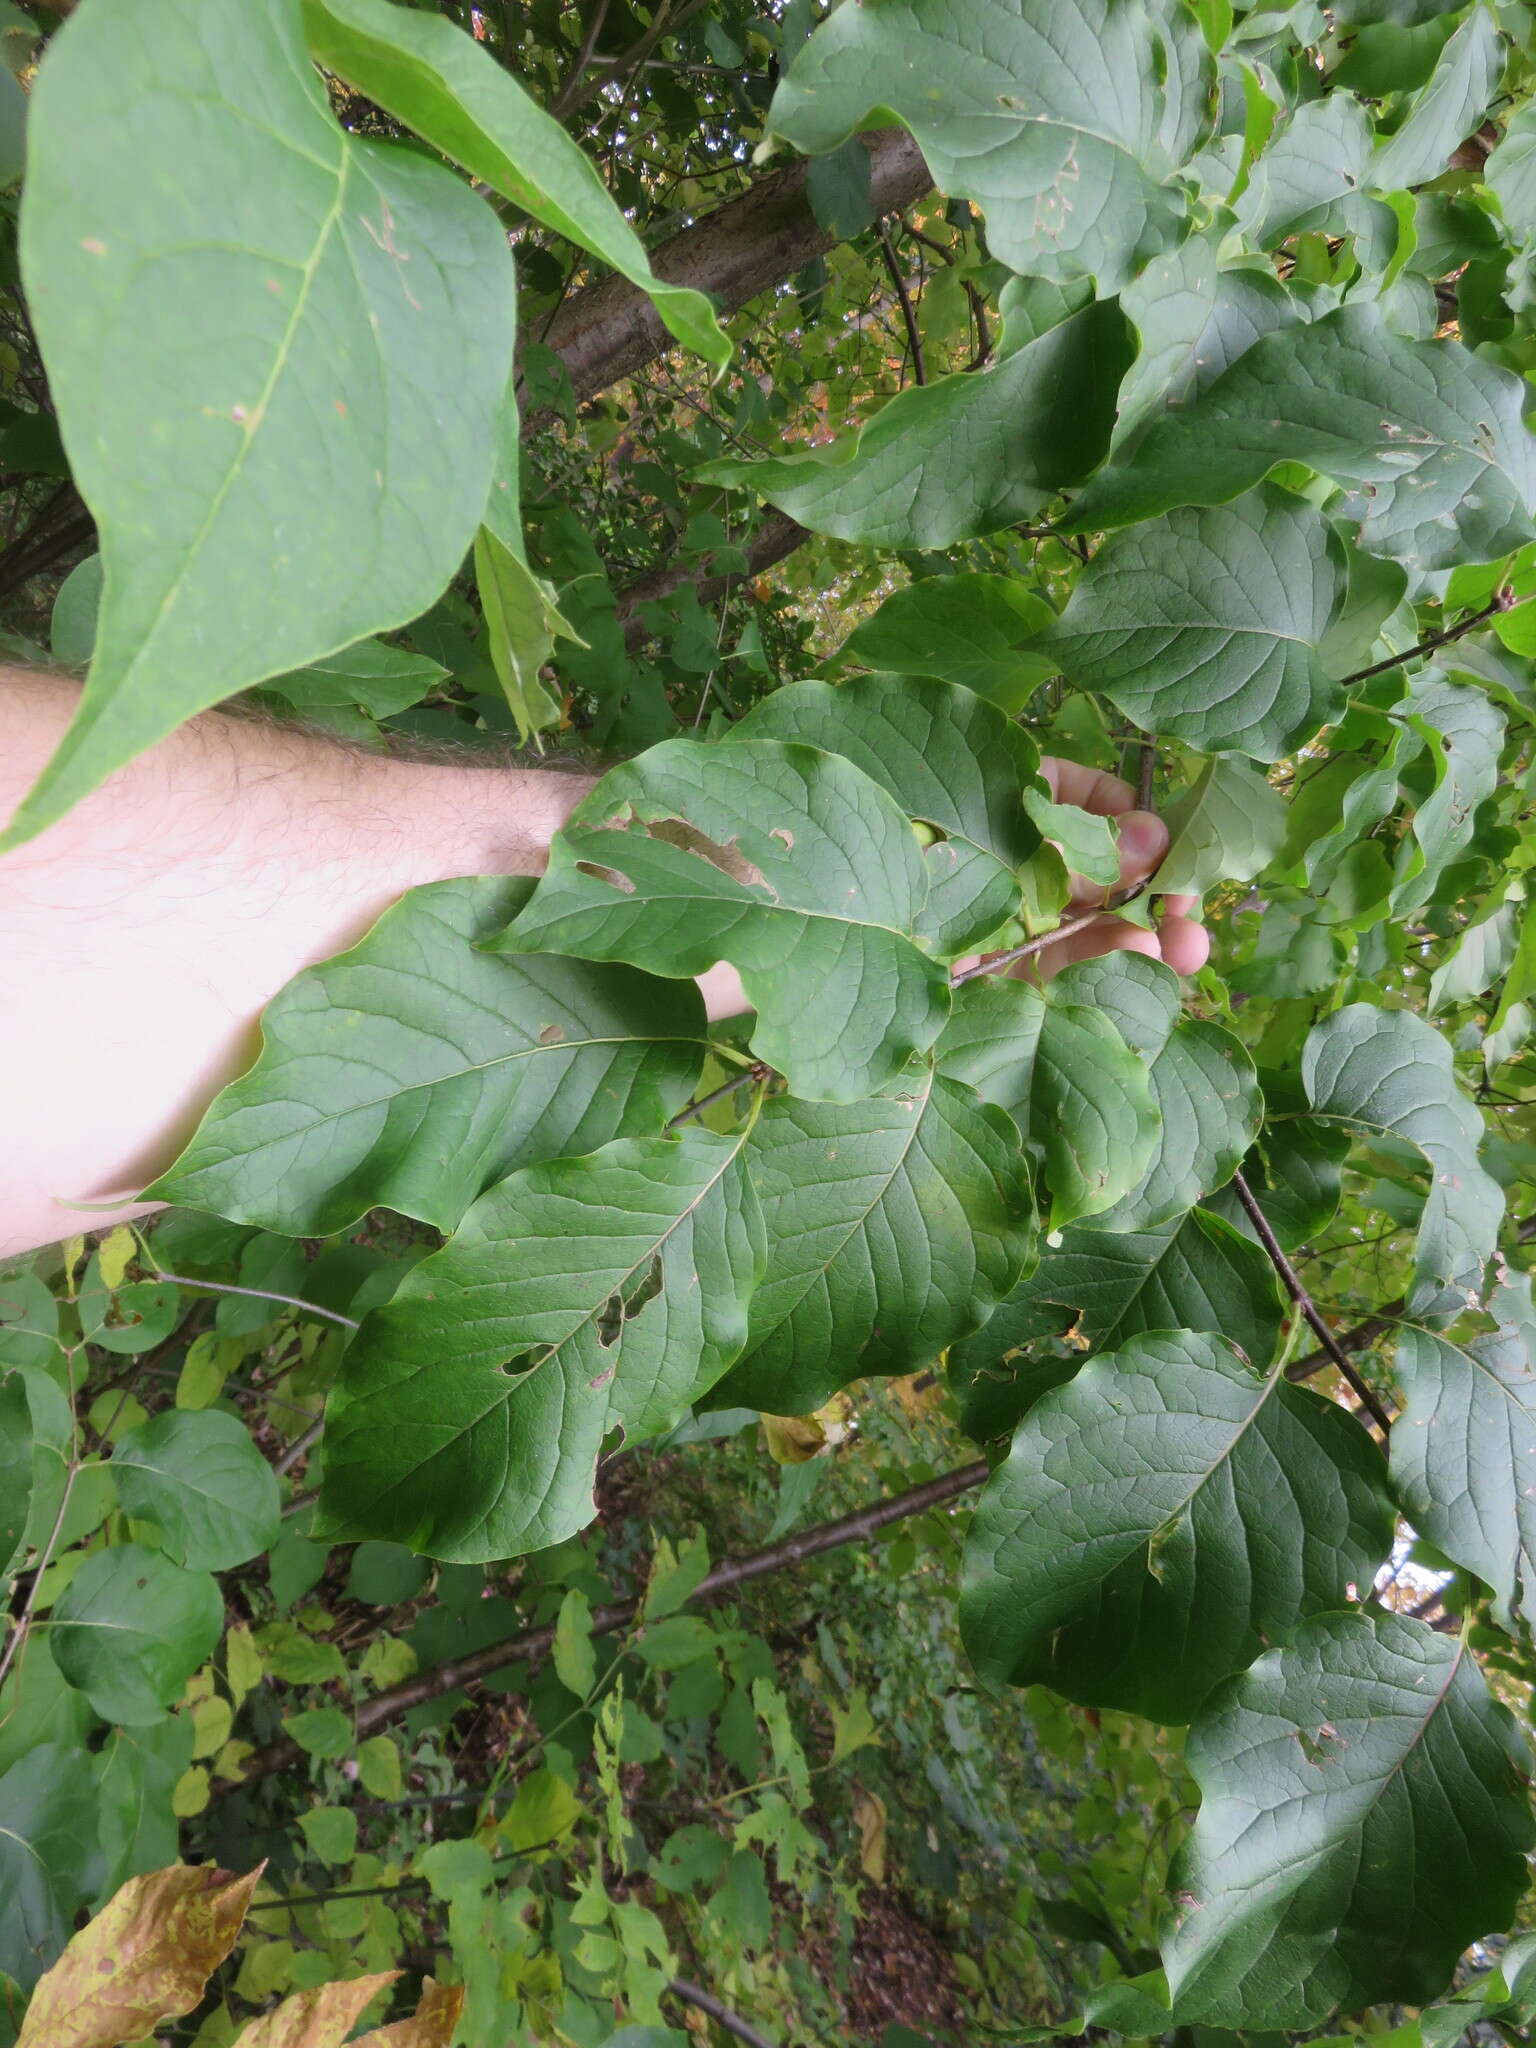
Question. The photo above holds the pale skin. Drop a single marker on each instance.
(141, 936)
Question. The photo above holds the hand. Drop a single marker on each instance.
(1178, 940)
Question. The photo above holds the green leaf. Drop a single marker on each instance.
(322, 1731)
(1511, 172)
(1064, 122)
(1203, 625)
(1429, 438)
(131, 1628)
(1069, 1081)
(37, 1707)
(385, 1574)
(1447, 110)
(417, 1068)
(1166, 1495)
(838, 189)
(948, 758)
(198, 1477)
(1193, 319)
(1387, 1072)
(29, 1320)
(614, 1286)
(894, 1226)
(16, 1463)
(48, 1856)
(963, 455)
(1315, 165)
(1227, 827)
(1204, 1089)
(1464, 1454)
(1464, 729)
(136, 1774)
(372, 677)
(1363, 1817)
(280, 418)
(574, 1658)
(791, 864)
(452, 92)
(521, 622)
(1196, 1274)
(969, 629)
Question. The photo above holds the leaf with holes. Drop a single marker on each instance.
(414, 1070)
(964, 455)
(1363, 1817)
(1203, 625)
(277, 352)
(1428, 439)
(1193, 318)
(1068, 1079)
(1065, 122)
(578, 1297)
(894, 1225)
(1159, 1520)
(1388, 1072)
(791, 864)
(952, 761)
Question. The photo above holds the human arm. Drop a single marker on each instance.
(141, 937)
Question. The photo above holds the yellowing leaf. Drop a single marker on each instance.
(242, 1663)
(430, 2026)
(117, 1250)
(869, 1817)
(322, 2018)
(144, 1958)
(852, 1727)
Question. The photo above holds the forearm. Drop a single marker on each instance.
(141, 937)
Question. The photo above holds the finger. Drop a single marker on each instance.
(1143, 842)
(1092, 789)
(1179, 906)
(1104, 935)
(1186, 946)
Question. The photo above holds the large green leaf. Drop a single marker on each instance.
(1068, 1079)
(1511, 171)
(1387, 1072)
(414, 1070)
(1450, 106)
(1196, 1274)
(576, 1298)
(136, 1774)
(1227, 827)
(1315, 163)
(1430, 439)
(131, 1628)
(948, 758)
(970, 629)
(196, 1474)
(277, 353)
(1363, 1817)
(791, 864)
(451, 90)
(1464, 730)
(964, 455)
(1193, 319)
(1203, 625)
(1064, 120)
(895, 1226)
(1204, 1088)
(1159, 1520)
(1464, 1453)
(48, 1856)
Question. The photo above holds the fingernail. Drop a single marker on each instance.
(1143, 839)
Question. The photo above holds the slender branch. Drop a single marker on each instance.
(1307, 1305)
(533, 1643)
(756, 1072)
(300, 1447)
(564, 98)
(983, 354)
(998, 963)
(312, 1308)
(1501, 601)
(909, 317)
(1146, 774)
(706, 2001)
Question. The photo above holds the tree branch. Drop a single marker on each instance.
(909, 317)
(533, 1643)
(706, 2001)
(777, 537)
(1501, 601)
(1298, 1293)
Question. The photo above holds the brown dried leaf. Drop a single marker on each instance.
(322, 2018)
(869, 1817)
(144, 1958)
(430, 2026)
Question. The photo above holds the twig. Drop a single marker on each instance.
(909, 317)
(996, 963)
(259, 1294)
(1146, 774)
(299, 1448)
(1501, 601)
(756, 1072)
(1307, 1305)
(706, 2001)
(565, 97)
(983, 354)
(532, 1643)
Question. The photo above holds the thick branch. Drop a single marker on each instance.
(533, 1643)
(777, 537)
(753, 242)
(706, 2001)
